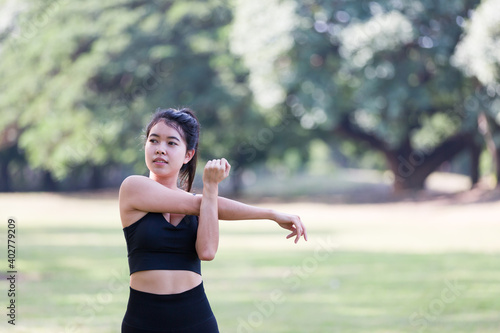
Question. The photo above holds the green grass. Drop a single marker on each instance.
(73, 277)
(82, 287)
(355, 292)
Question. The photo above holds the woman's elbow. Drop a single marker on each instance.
(207, 255)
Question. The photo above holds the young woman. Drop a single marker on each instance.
(168, 230)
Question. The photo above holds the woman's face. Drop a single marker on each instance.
(166, 150)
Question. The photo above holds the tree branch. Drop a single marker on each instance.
(348, 129)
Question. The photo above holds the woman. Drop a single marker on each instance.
(168, 230)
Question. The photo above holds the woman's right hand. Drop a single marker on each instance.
(216, 171)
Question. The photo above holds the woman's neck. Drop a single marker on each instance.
(170, 182)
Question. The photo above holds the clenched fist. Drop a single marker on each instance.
(216, 171)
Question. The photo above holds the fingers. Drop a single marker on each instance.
(297, 236)
(227, 167)
(216, 170)
(303, 230)
(222, 162)
(292, 223)
(298, 230)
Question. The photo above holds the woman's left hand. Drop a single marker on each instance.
(292, 223)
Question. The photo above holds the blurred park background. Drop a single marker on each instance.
(281, 87)
(377, 121)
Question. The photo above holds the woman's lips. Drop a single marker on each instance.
(159, 161)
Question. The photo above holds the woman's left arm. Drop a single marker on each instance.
(234, 210)
(207, 240)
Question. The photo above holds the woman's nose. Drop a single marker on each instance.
(160, 151)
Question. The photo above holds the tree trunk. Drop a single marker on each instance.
(7, 156)
(95, 178)
(411, 167)
(49, 184)
(4, 176)
(497, 159)
(489, 129)
(475, 152)
(408, 171)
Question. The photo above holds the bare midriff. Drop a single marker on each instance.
(164, 282)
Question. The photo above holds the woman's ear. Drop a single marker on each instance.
(189, 155)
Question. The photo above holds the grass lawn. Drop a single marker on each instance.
(363, 269)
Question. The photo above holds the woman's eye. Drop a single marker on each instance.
(172, 143)
(153, 141)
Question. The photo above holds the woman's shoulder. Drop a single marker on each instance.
(134, 179)
(136, 183)
(143, 194)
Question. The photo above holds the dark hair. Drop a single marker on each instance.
(186, 123)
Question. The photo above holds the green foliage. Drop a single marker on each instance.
(79, 80)
(477, 53)
(384, 71)
(384, 65)
(88, 76)
(477, 56)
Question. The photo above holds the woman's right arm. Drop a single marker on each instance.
(146, 195)
(139, 193)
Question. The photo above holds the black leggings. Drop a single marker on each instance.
(186, 312)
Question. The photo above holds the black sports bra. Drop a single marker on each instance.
(155, 244)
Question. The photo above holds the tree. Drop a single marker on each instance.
(80, 80)
(393, 86)
(379, 73)
(477, 55)
(261, 35)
